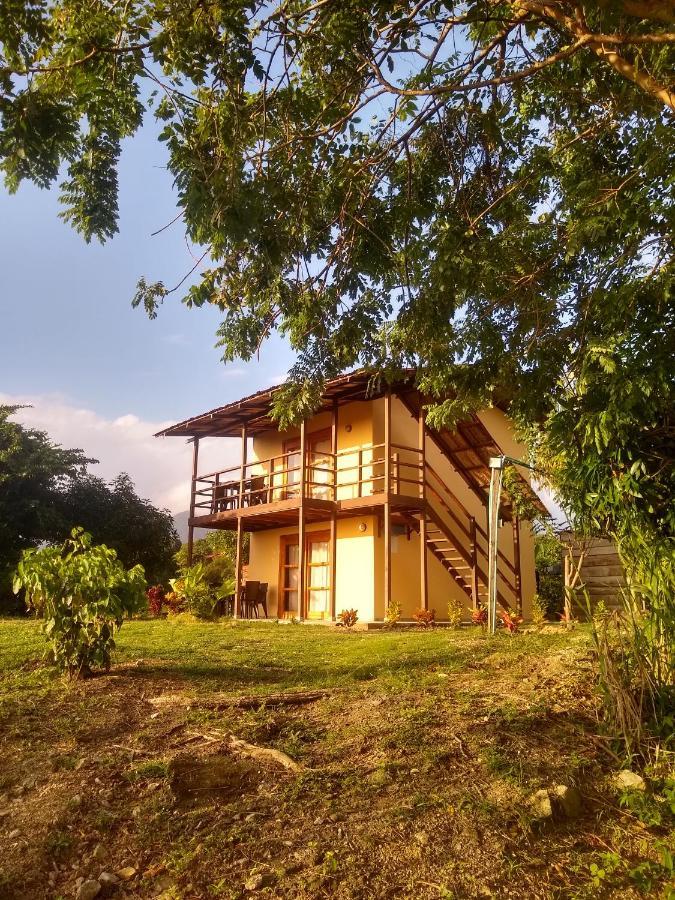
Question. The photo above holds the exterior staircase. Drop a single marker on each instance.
(460, 544)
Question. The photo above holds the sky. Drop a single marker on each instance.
(98, 374)
(93, 372)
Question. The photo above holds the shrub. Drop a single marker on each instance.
(348, 617)
(192, 588)
(393, 613)
(174, 603)
(156, 596)
(425, 617)
(538, 611)
(510, 621)
(480, 616)
(455, 612)
(83, 593)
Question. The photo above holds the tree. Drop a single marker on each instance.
(46, 491)
(83, 593)
(482, 190)
(32, 472)
(139, 532)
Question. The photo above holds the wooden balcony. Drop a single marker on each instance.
(268, 493)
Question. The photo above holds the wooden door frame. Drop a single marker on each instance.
(285, 541)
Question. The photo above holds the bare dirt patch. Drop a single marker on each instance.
(414, 783)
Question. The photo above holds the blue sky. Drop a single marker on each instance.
(100, 375)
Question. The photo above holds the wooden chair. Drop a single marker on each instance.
(262, 597)
(249, 599)
(256, 490)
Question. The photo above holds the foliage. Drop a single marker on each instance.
(32, 472)
(425, 617)
(45, 491)
(548, 565)
(393, 612)
(217, 553)
(193, 591)
(509, 621)
(538, 611)
(480, 616)
(455, 612)
(83, 593)
(156, 596)
(115, 515)
(348, 617)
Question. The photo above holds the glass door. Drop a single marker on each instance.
(318, 576)
(288, 580)
(316, 603)
(320, 470)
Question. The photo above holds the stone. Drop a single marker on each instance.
(625, 780)
(540, 805)
(88, 890)
(259, 880)
(100, 852)
(108, 879)
(568, 800)
(126, 874)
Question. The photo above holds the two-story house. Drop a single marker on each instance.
(363, 504)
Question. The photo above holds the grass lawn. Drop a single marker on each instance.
(414, 777)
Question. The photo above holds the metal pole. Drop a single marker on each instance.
(497, 469)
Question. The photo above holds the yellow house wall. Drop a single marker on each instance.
(355, 564)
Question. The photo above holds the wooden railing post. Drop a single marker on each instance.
(387, 505)
(516, 563)
(474, 563)
(193, 489)
(424, 587)
(333, 516)
(240, 526)
(301, 526)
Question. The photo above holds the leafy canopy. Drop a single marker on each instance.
(45, 491)
(83, 592)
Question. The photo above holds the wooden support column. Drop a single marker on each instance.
(193, 488)
(387, 505)
(301, 527)
(474, 563)
(333, 515)
(516, 564)
(424, 581)
(240, 526)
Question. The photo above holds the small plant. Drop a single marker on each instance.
(83, 593)
(156, 596)
(393, 613)
(193, 589)
(510, 621)
(426, 618)
(538, 611)
(567, 618)
(455, 612)
(175, 603)
(480, 616)
(348, 617)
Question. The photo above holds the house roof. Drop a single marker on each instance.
(255, 411)
(469, 445)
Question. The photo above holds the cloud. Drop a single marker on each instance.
(159, 467)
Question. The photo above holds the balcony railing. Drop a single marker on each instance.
(350, 473)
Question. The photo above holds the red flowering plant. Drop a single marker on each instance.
(156, 597)
(510, 621)
(425, 617)
(479, 616)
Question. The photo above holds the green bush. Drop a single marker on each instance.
(83, 593)
(194, 590)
